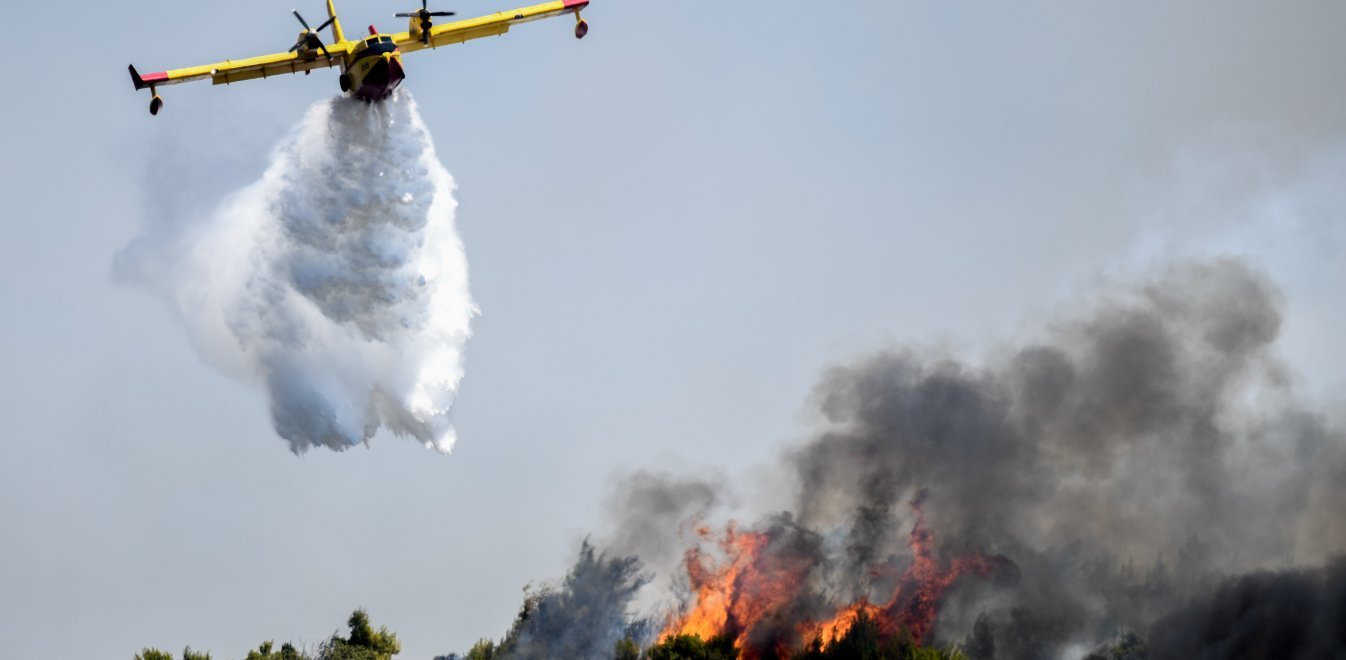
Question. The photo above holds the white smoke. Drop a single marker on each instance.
(337, 280)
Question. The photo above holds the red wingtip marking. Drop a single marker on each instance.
(155, 77)
(576, 4)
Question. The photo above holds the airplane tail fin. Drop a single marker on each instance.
(338, 35)
(136, 79)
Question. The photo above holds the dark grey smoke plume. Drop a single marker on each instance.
(1288, 614)
(1091, 483)
(1143, 449)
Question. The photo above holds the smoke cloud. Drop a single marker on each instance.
(1299, 613)
(1058, 496)
(337, 281)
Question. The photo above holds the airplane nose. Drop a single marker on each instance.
(384, 75)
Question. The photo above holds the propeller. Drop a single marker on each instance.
(310, 38)
(424, 14)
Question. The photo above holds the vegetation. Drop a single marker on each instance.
(1130, 647)
(585, 616)
(864, 641)
(363, 643)
(626, 649)
(264, 652)
(691, 647)
(156, 654)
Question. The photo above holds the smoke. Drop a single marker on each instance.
(655, 512)
(1156, 429)
(337, 281)
(1141, 481)
(1261, 615)
(1059, 495)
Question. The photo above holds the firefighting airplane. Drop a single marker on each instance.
(371, 67)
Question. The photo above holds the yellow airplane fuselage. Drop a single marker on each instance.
(373, 69)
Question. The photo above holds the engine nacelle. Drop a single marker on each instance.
(156, 104)
(581, 28)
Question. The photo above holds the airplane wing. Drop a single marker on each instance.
(490, 25)
(232, 71)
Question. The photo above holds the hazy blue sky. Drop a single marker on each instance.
(672, 227)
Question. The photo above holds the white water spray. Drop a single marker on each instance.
(337, 281)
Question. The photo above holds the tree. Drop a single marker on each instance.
(364, 643)
(692, 647)
(287, 652)
(865, 641)
(583, 617)
(980, 644)
(1129, 647)
(626, 649)
(483, 650)
(156, 654)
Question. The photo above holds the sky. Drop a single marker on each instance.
(673, 226)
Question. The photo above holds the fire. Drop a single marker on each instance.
(737, 592)
(841, 624)
(915, 603)
(714, 584)
(748, 592)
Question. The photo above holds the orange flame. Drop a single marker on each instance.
(831, 631)
(737, 592)
(750, 586)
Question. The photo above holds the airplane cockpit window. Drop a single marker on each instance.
(377, 46)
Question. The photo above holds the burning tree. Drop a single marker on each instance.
(758, 592)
